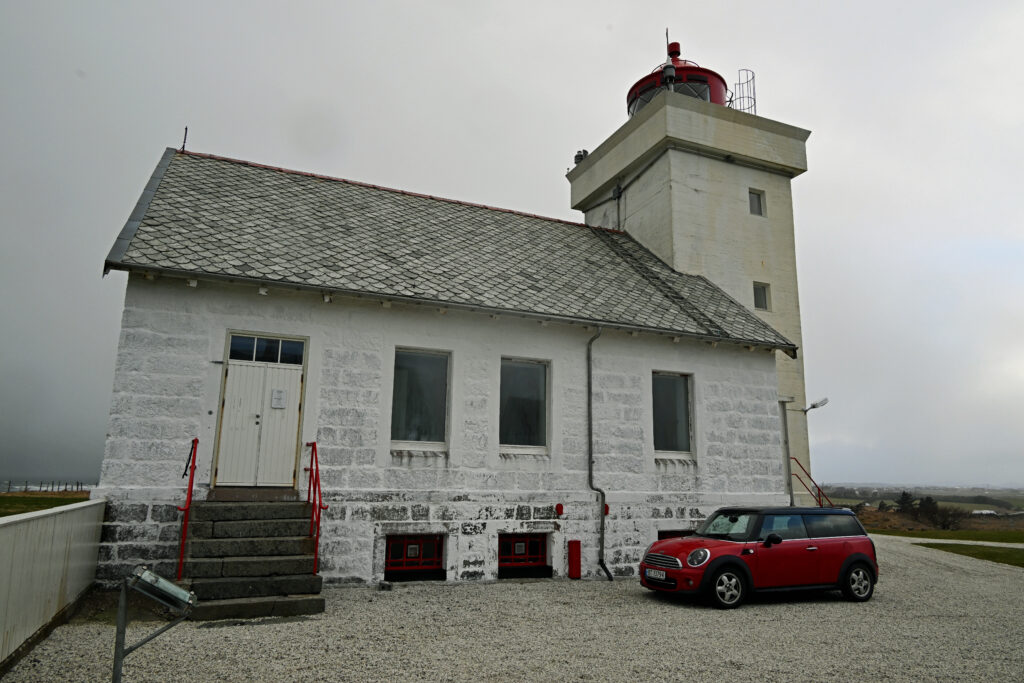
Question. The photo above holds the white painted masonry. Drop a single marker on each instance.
(684, 169)
(167, 390)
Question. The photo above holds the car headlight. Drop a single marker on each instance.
(698, 557)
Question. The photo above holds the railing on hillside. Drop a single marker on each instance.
(819, 495)
(190, 470)
(316, 501)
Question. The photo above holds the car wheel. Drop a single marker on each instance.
(728, 589)
(858, 583)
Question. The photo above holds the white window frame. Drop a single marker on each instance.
(762, 201)
(688, 378)
(767, 296)
(438, 446)
(516, 449)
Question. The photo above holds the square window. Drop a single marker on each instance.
(267, 349)
(291, 351)
(419, 406)
(756, 202)
(523, 403)
(671, 395)
(241, 347)
(762, 296)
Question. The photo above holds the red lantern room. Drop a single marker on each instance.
(682, 76)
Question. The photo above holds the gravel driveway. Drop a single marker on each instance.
(935, 616)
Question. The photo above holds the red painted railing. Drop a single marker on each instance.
(190, 468)
(316, 501)
(819, 495)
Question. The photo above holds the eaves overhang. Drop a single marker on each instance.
(131, 226)
(789, 349)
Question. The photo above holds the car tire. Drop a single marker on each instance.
(858, 583)
(728, 588)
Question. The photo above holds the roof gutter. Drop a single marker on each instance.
(590, 451)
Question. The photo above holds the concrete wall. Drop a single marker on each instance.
(171, 354)
(47, 560)
(685, 170)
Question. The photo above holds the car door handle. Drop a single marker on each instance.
(812, 547)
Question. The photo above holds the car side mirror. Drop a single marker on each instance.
(773, 539)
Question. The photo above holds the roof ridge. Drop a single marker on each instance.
(372, 186)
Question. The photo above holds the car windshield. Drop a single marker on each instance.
(732, 526)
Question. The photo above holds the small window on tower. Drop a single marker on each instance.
(756, 202)
(762, 296)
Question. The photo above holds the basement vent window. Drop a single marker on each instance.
(523, 556)
(757, 204)
(415, 558)
(762, 296)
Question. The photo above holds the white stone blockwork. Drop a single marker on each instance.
(168, 389)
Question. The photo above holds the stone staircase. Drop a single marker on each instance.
(247, 560)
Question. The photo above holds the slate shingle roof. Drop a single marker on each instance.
(224, 218)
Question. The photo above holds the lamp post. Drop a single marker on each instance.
(784, 408)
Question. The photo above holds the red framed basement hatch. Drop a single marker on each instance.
(523, 556)
(414, 558)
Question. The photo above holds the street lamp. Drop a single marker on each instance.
(816, 404)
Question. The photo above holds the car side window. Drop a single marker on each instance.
(826, 526)
(786, 526)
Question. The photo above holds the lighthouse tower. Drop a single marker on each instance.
(706, 188)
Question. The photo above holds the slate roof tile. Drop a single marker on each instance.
(223, 217)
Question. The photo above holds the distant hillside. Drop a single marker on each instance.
(999, 500)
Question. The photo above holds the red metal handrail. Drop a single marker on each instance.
(819, 495)
(316, 499)
(190, 466)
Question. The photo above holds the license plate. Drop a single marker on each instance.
(655, 574)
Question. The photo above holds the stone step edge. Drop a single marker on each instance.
(267, 606)
(273, 578)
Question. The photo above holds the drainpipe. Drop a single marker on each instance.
(784, 413)
(590, 449)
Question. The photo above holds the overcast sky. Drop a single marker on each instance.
(910, 221)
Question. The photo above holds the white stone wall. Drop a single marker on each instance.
(167, 389)
(685, 168)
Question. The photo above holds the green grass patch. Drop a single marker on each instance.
(15, 505)
(1011, 556)
(990, 535)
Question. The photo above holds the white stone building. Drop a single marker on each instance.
(481, 383)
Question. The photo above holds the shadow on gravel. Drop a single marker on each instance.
(799, 597)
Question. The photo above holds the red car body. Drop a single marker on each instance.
(738, 551)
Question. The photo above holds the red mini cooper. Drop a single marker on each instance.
(740, 550)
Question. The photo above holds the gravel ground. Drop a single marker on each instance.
(934, 617)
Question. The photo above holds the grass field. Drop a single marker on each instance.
(17, 503)
(850, 502)
(1012, 556)
(987, 535)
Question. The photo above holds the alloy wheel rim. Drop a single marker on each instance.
(860, 584)
(728, 588)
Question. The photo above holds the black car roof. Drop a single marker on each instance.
(789, 510)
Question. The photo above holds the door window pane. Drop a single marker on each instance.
(241, 347)
(419, 406)
(267, 349)
(291, 352)
(786, 526)
(671, 412)
(523, 403)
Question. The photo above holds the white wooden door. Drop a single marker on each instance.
(260, 424)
